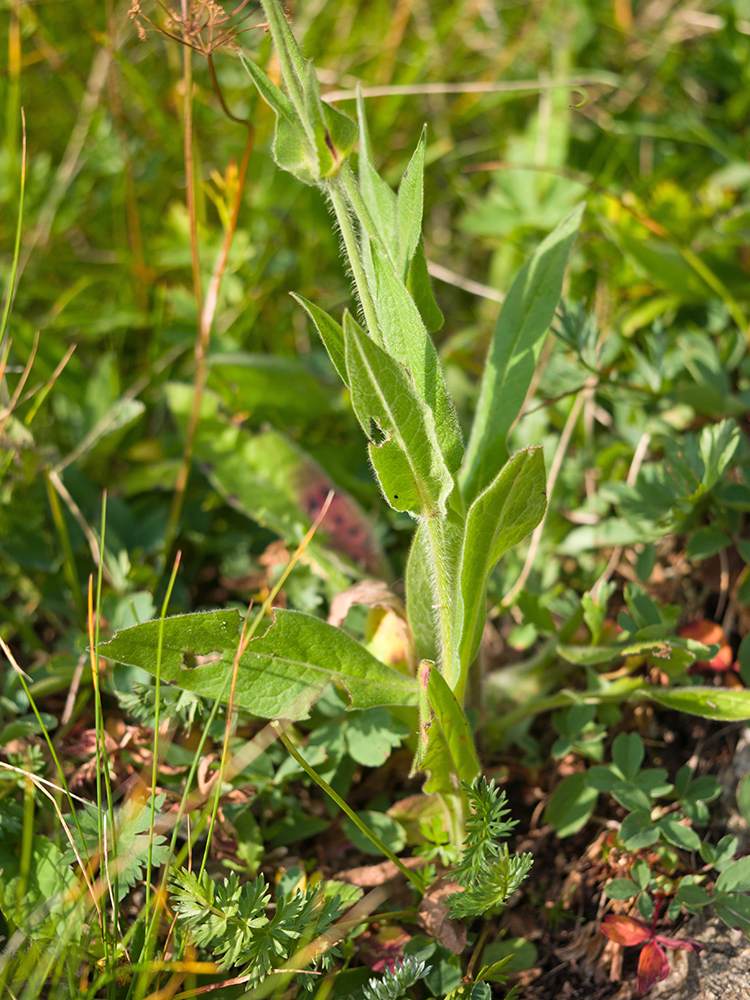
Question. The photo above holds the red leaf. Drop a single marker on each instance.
(685, 944)
(624, 930)
(652, 966)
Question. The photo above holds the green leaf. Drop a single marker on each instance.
(641, 873)
(405, 339)
(408, 462)
(630, 797)
(447, 749)
(621, 888)
(734, 910)
(516, 345)
(292, 149)
(706, 542)
(385, 827)
(743, 797)
(642, 609)
(330, 333)
(724, 704)
(570, 805)
(46, 905)
(409, 206)
(603, 779)
(692, 895)
(734, 878)
(378, 195)
(637, 831)
(675, 833)
(280, 674)
(419, 287)
(371, 736)
(721, 854)
(334, 132)
(504, 513)
(628, 753)
(272, 480)
(513, 954)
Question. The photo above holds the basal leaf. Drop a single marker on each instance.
(724, 704)
(504, 513)
(524, 320)
(280, 674)
(408, 462)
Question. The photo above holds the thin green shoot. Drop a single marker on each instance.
(157, 707)
(11, 290)
(245, 637)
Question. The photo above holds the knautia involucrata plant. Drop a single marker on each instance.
(470, 503)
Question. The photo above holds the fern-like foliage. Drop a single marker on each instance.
(228, 919)
(395, 983)
(488, 873)
(127, 854)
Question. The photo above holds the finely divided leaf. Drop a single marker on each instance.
(280, 674)
(524, 320)
(511, 506)
(408, 463)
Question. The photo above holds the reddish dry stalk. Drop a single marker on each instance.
(207, 310)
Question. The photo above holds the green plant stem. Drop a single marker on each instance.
(450, 663)
(10, 291)
(322, 783)
(102, 764)
(157, 707)
(337, 190)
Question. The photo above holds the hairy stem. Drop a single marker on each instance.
(337, 191)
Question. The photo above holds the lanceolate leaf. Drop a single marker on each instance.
(280, 674)
(378, 195)
(409, 207)
(524, 320)
(447, 749)
(408, 463)
(511, 506)
(723, 704)
(330, 333)
(420, 289)
(406, 339)
(292, 149)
